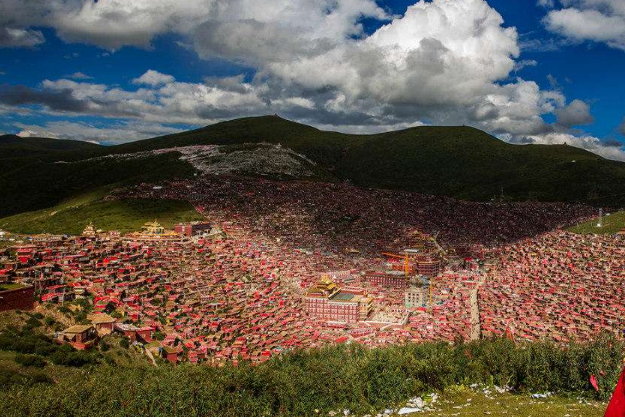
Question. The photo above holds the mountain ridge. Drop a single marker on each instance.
(456, 161)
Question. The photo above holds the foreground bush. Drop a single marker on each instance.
(35, 361)
(27, 342)
(333, 378)
(10, 378)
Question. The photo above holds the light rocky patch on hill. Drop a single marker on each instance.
(257, 159)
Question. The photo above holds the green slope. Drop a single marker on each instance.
(462, 162)
(17, 152)
(458, 161)
(610, 225)
(14, 144)
(40, 184)
(71, 216)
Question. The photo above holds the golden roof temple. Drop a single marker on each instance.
(89, 230)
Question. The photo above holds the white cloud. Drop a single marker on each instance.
(19, 38)
(154, 78)
(162, 101)
(31, 134)
(576, 113)
(116, 23)
(594, 20)
(113, 24)
(442, 62)
(518, 66)
(80, 76)
(587, 142)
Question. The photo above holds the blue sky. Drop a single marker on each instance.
(115, 70)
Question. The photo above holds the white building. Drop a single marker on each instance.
(416, 297)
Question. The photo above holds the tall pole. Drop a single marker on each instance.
(600, 224)
(430, 304)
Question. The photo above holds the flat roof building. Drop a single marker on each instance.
(326, 300)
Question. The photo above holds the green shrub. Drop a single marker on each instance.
(25, 341)
(72, 358)
(33, 323)
(30, 360)
(104, 346)
(11, 377)
(125, 343)
(65, 310)
(332, 378)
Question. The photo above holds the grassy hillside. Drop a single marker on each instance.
(71, 217)
(17, 152)
(610, 225)
(40, 184)
(19, 146)
(462, 162)
(456, 161)
(478, 403)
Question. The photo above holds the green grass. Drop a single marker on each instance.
(40, 183)
(611, 224)
(72, 216)
(12, 286)
(474, 403)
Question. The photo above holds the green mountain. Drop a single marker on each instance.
(16, 152)
(19, 146)
(461, 162)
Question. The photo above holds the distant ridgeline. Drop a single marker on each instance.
(461, 162)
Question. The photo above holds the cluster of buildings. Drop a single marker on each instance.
(286, 265)
(557, 285)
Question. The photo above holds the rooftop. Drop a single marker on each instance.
(343, 296)
(79, 328)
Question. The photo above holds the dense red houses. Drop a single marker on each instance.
(299, 265)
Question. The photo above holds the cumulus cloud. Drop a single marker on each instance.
(153, 78)
(441, 62)
(160, 101)
(588, 142)
(576, 113)
(80, 76)
(112, 24)
(594, 20)
(17, 17)
(19, 38)
(61, 100)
